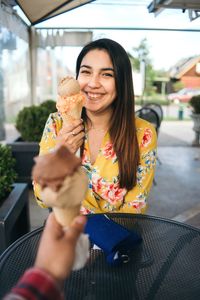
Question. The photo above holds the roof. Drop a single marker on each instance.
(183, 66)
(193, 6)
(156, 5)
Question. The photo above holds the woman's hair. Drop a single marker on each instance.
(122, 124)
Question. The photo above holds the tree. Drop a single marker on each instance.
(142, 54)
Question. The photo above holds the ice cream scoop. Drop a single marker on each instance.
(70, 99)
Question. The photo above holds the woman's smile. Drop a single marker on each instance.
(94, 96)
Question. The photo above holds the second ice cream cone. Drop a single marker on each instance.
(63, 183)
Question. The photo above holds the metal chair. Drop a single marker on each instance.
(158, 108)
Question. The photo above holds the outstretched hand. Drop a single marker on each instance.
(56, 251)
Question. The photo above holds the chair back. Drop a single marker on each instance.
(149, 115)
(158, 108)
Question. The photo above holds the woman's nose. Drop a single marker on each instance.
(94, 81)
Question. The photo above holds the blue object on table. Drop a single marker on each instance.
(115, 240)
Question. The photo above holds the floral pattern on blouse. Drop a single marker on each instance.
(108, 152)
(104, 193)
(50, 130)
(147, 137)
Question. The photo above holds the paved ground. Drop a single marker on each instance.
(176, 133)
(177, 193)
(37, 214)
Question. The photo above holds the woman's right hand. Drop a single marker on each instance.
(72, 135)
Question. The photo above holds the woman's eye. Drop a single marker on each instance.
(108, 75)
(85, 72)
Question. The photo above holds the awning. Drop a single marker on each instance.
(40, 10)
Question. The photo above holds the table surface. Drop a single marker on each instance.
(164, 266)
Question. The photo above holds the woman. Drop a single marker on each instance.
(118, 150)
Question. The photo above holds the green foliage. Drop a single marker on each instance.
(156, 98)
(7, 172)
(177, 86)
(195, 104)
(31, 120)
(156, 101)
(142, 53)
(50, 105)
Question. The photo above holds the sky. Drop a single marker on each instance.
(166, 47)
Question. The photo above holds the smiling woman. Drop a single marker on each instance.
(118, 150)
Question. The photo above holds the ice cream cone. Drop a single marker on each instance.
(72, 108)
(70, 99)
(66, 202)
(63, 183)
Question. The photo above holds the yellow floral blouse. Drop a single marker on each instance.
(104, 193)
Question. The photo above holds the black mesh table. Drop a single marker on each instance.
(166, 265)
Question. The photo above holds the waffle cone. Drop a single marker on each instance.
(70, 107)
(66, 202)
(66, 216)
(73, 114)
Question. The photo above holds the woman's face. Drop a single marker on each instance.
(97, 80)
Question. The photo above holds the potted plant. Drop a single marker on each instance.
(8, 173)
(195, 104)
(14, 207)
(30, 124)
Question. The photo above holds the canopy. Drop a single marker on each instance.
(40, 10)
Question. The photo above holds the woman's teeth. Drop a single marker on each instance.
(93, 96)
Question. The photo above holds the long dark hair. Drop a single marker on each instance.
(122, 124)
